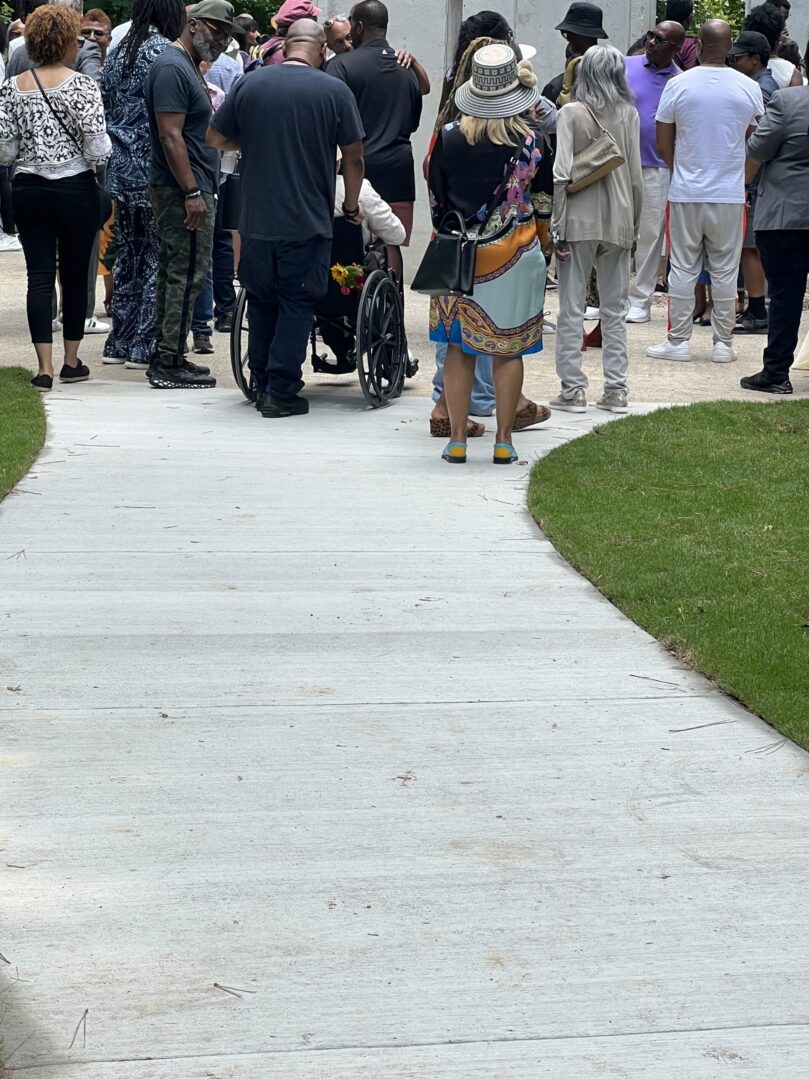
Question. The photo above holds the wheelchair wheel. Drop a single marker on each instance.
(238, 348)
(381, 341)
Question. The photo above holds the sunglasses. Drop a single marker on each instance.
(94, 33)
(217, 29)
(658, 39)
(329, 23)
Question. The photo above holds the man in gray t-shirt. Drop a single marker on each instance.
(183, 180)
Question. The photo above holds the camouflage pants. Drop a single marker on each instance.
(182, 267)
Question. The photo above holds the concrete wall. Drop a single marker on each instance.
(429, 29)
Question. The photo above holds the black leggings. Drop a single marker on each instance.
(6, 211)
(52, 214)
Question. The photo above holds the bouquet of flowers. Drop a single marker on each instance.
(349, 278)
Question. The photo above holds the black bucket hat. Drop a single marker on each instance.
(585, 20)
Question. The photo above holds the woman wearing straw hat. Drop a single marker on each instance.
(596, 226)
(490, 154)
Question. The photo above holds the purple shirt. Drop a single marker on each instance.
(647, 83)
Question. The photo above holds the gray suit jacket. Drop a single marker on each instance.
(781, 142)
(88, 61)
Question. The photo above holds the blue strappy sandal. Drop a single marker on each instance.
(504, 453)
(455, 453)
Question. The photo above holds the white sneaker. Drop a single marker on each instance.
(570, 402)
(723, 353)
(9, 243)
(670, 351)
(592, 314)
(56, 325)
(113, 360)
(95, 325)
(638, 314)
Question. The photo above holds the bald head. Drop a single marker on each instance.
(305, 40)
(672, 31)
(715, 42)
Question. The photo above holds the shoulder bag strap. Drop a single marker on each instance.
(495, 202)
(595, 118)
(56, 115)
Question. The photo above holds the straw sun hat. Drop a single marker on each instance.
(499, 86)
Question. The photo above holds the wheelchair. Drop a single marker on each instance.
(364, 330)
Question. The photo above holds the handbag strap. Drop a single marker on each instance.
(495, 202)
(56, 115)
(597, 121)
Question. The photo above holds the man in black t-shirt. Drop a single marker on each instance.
(288, 178)
(183, 181)
(389, 98)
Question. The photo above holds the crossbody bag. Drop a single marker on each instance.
(104, 201)
(448, 265)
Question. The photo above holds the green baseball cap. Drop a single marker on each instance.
(215, 10)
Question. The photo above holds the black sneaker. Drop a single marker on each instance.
(275, 408)
(43, 383)
(764, 385)
(197, 368)
(164, 376)
(748, 323)
(79, 373)
(224, 324)
(203, 345)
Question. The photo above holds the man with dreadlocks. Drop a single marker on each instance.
(155, 24)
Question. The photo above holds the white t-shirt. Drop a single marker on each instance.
(781, 70)
(712, 108)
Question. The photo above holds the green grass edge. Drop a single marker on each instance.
(22, 426)
(573, 546)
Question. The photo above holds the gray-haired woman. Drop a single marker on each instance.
(597, 226)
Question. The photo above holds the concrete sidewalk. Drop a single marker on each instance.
(319, 763)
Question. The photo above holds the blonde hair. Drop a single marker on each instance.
(508, 131)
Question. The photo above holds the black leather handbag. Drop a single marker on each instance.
(449, 261)
(448, 265)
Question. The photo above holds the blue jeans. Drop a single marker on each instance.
(482, 402)
(218, 296)
(284, 281)
(203, 308)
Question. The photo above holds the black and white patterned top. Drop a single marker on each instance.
(32, 139)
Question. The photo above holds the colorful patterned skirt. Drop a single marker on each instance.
(504, 316)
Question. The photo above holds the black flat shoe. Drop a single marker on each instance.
(43, 383)
(79, 373)
(276, 408)
(761, 383)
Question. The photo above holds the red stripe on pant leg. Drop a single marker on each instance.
(668, 249)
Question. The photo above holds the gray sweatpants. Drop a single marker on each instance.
(612, 265)
(704, 235)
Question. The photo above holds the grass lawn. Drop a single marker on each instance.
(695, 522)
(22, 426)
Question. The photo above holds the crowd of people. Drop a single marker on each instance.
(143, 152)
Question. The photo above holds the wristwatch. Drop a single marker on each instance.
(192, 194)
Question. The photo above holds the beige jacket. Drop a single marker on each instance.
(608, 210)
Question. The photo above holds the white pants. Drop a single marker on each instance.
(709, 233)
(650, 237)
(612, 265)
